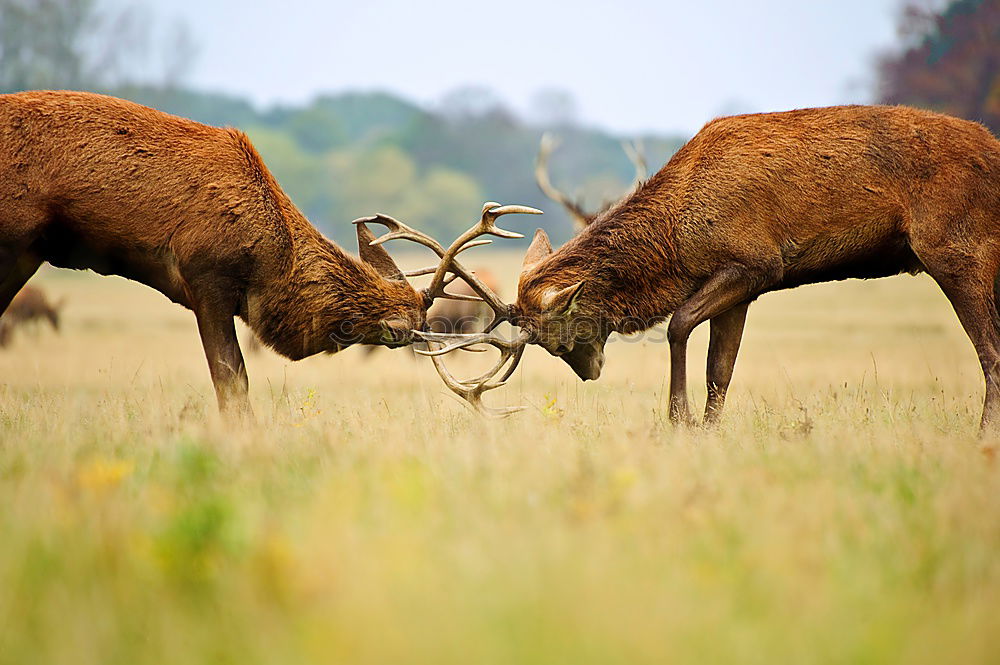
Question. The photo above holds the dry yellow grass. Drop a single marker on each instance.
(845, 512)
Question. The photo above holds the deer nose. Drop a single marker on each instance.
(395, 333)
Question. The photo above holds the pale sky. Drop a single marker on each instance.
(667, 66)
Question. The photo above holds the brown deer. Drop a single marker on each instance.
(581, 217)
(757, 203)
(88, 181)
(30, 304)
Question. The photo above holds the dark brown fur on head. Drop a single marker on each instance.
(623, 266)
(332, 301)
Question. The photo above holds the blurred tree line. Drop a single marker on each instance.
(351, 154)
(948, 60)
(339, 156)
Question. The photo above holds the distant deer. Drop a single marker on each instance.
(581, 218)
(757, 203)
(462, 316)
(88, 181)
(30, 304)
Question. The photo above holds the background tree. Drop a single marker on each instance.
(949, 60)
(553, 107)
(85, 45)
(339, 156)
(43, 43)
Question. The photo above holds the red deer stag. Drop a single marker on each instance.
(88, 181)
(30, 304)
(581, 218)
(757, 203)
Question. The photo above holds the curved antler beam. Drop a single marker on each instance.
(449, 269)
(472, 390)
(448, 264)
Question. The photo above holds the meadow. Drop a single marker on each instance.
(846, 510)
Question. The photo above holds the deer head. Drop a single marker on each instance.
(581, 218)
(558, 311)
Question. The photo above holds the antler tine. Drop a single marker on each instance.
(430, 270)
(448, 264)
(455, 341)
(637, 155)
(398, 229)
(514, 352)
(508, 349)
(485, 226)
(458, 296)
(545, 148)
(473, 395)
(472, 390)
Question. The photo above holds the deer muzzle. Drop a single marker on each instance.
(587, 360)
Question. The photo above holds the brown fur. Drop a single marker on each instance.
(29, 305)
(756, 203)
(88, 181)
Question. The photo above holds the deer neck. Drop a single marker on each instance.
(314, 301)
(632, 268)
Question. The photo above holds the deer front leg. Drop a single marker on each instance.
(225, 361)
(727, 288)
(723, 346)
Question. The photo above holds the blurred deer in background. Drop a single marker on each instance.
(28, 306)
(463, 316)
(581, 218)
(762, 202)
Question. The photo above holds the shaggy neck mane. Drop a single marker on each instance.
(627, 258)
(316, 291)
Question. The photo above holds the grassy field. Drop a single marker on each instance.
(845, 511)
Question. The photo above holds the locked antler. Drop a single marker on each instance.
(447, 270)
(448, 263)
(472, 390)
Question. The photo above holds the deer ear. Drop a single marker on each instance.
(375, 255)
(540, 248)
(564, 301)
